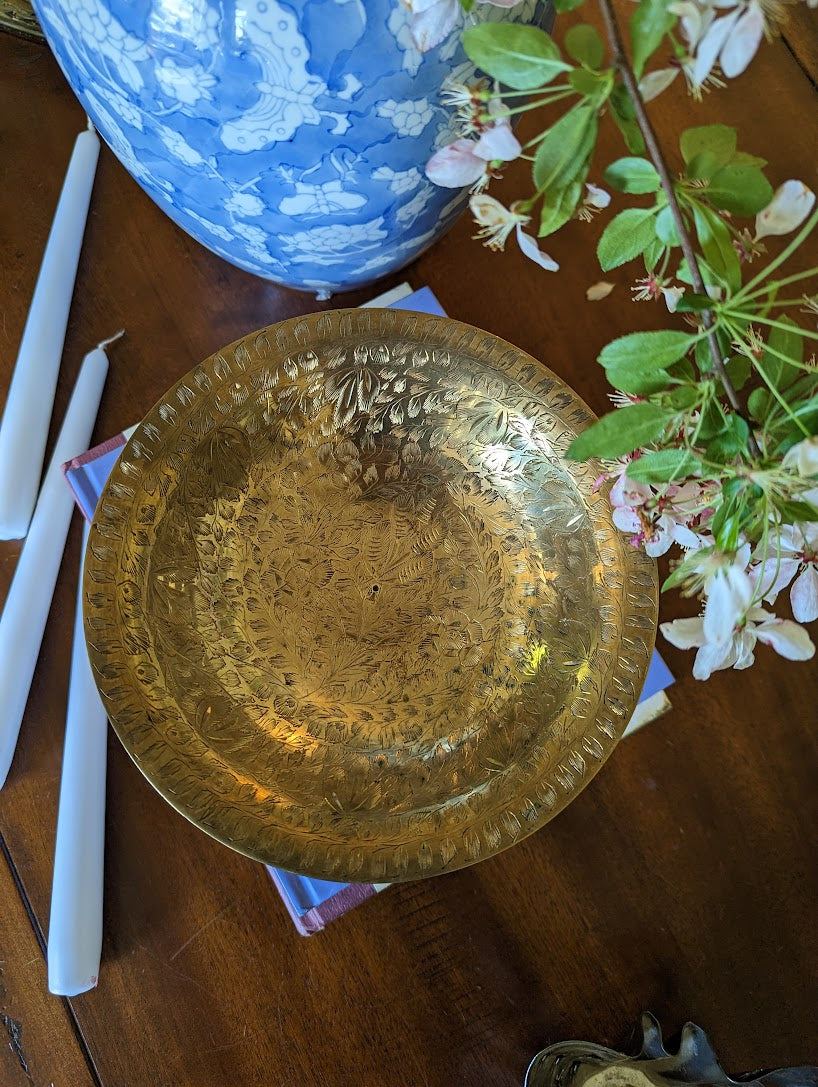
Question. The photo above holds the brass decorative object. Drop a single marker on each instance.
(348, 607)
(586, 1064)
(18, 17)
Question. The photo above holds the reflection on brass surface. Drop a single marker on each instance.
(349, 609)
(17, 16)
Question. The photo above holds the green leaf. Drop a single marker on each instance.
(620, 432)
(735, 486)
(683, 397)
(741, 158)
(719, 140)
(738, 370)
(659, 349)
(787, 342)
(561, 6)
(804, 409)
(636, 363)
(683, 273)
(726, 525)
(559, 204)
(638, 379)
(807, 385)
(584, 44)
(759, 403)
(649, 24)
(624, 114)
(522, 57)
(792, 510)
(717, 246)
(666, 230)
(732, 514)
(693, 303)
(625, 237)
(712, 421)
(788, 432)
(684, 370)
(585, 82)
(467, 5)
(741, 190)
(730, 442)
(633, 175)
(567, 147)
(652, 254)
(703, 166)
(561, 166)
(703, 356)
(663, 466)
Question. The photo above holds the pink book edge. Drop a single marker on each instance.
(100, 450)
(319, 917)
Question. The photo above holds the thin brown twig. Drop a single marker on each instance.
(620, 59)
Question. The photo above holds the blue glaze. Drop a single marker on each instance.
(289, 138)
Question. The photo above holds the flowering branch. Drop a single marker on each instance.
(732, 482)
(622, 64)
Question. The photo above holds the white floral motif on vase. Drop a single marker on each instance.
(288, 138)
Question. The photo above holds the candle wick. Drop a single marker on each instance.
(90, 124)
(111, 339)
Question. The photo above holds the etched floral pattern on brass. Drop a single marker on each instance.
(349, 608)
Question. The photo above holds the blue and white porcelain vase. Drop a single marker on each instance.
(290, 138)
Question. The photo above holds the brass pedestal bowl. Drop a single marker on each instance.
(349, 608)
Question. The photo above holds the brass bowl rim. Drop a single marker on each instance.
(381, 864)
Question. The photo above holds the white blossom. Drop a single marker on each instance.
(794, 555)
(671, 296)
(498, 142)
(457, 165)
(596, 197)
(497, 222)
(729, 590)
(595, 200)
(470, 162)
(432, 21)
(530, 249)
(791, 204)
(655, 521)
(788, 639)
(803, 457)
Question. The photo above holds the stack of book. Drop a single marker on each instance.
(313, 903)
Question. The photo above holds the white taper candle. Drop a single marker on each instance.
(22, 623)
(24, 429)
(75, 928)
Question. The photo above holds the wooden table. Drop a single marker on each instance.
(684, 880)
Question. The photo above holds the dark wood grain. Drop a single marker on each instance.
(683, 880)
(801, 39)
(38, 1042)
